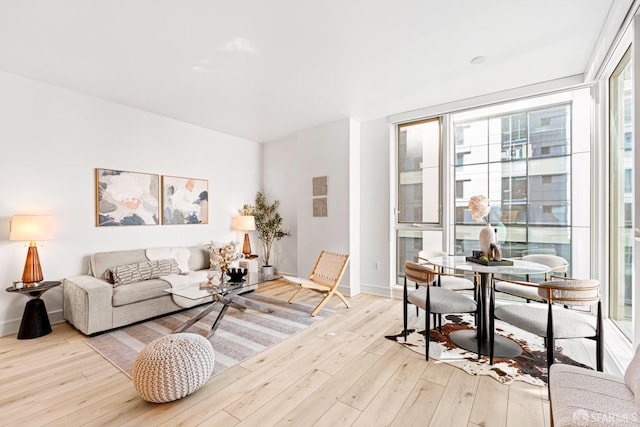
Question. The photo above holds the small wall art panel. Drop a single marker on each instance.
(320, 188)
(320, 206)
(185, 200)
(127, 198)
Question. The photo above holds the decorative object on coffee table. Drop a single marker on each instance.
(236, 274)
(223, 257)
(172, 367)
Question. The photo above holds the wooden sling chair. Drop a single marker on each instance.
(324, 278)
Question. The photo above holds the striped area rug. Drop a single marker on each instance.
(239, 336)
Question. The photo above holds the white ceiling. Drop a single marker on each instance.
(261, 69)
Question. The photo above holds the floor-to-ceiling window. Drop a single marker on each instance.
(521, 159)
(621, 236)
(531, 158)
(418, 193)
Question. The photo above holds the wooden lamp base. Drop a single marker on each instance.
(246, 247)
(32, 273)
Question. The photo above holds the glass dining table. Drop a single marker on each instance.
(468, 339)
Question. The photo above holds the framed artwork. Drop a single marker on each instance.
(185, 200)
(320, 206)
(127, 198)
(320, 186)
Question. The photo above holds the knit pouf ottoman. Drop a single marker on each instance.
(172, 367)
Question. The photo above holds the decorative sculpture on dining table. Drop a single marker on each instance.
(479, 206)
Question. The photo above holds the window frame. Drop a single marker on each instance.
(419, 224)
(517, 116)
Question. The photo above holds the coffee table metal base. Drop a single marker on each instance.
(235, 301)
(502, 347)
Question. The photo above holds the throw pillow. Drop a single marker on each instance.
(108, 276)
(164, 267)
(144, 270)
(180, 254)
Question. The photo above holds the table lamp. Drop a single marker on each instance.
(31, 228)
(245, 223)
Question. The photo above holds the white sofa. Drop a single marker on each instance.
(582, 397)
(92, 304)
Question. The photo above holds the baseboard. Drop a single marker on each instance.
(397, 291)
(383, 291)
(11, 327)
(366, 289)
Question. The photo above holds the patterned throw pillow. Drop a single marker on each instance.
(164, 267)
(108, 276)
(139, 271)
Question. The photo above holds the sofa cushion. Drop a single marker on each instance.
(139, 291)
(100, 262)
(584, 397)
(145, 270)
(632, 376)
(532, 317)
(199, 258)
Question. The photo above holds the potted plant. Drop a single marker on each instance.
(268, 226)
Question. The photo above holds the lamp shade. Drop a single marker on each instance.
(31, 227)
(244, 223)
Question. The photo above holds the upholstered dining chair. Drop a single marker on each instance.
(324, 278)
(556, 321)
(557, 264)
(452, 280)
(432, 299)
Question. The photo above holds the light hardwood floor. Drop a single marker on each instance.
(339, 372)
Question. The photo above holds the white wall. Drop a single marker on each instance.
(52, 139)
(355, 157)
(354, 206)
(290, 165)
(279, 179)
(375, 190)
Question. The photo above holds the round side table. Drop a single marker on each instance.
(35, 320)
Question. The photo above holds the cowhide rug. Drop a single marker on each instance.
(530, 366)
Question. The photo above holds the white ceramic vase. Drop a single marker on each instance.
(268, 271)
(486, 238)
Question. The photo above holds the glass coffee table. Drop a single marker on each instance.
(227, 294)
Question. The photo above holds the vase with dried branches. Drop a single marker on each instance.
(479, 206)
(269, 224)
